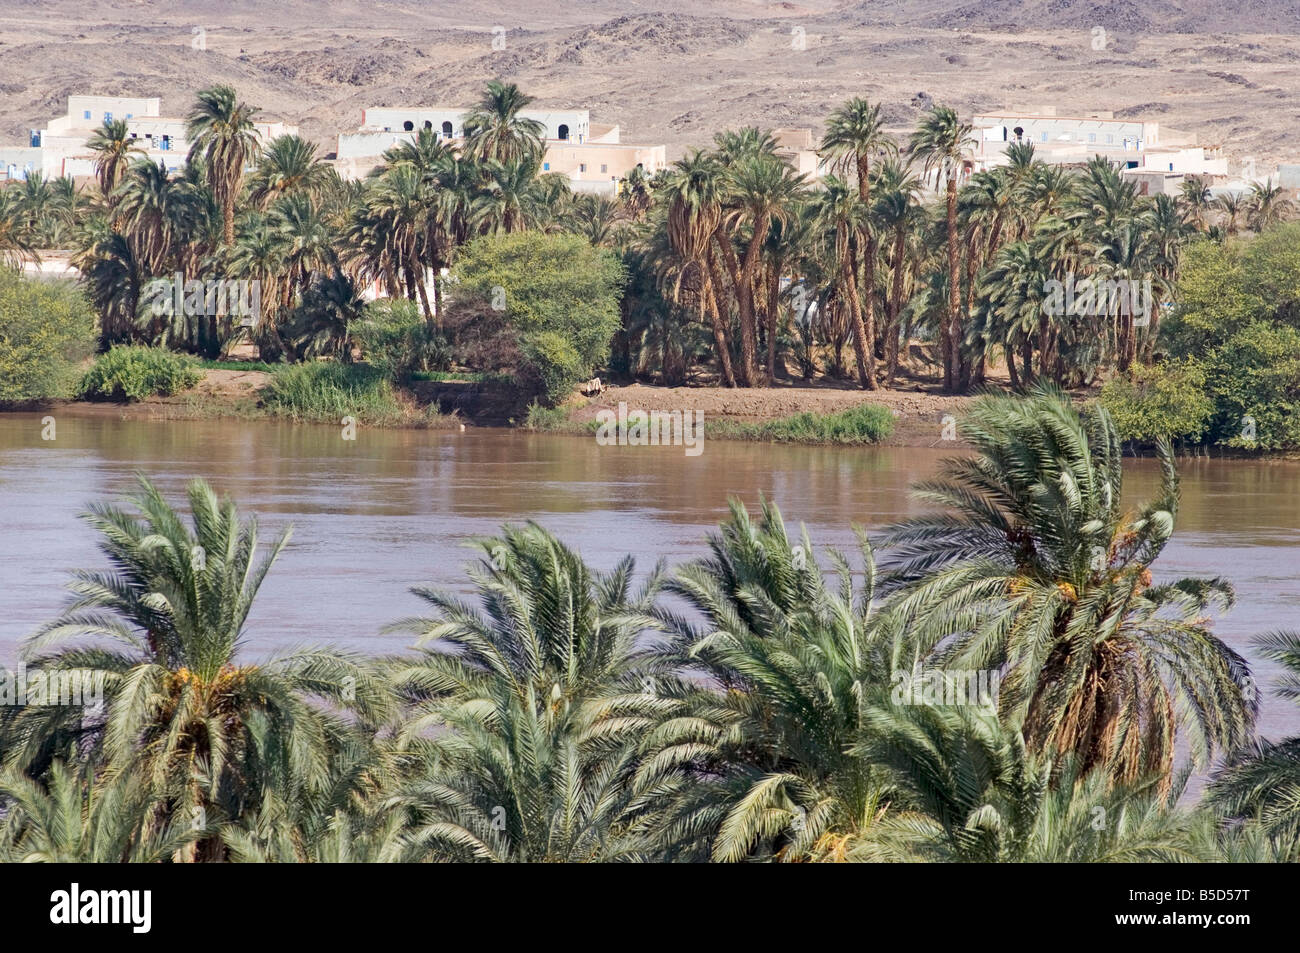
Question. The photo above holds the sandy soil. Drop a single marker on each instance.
(919, 417)
(675, 71)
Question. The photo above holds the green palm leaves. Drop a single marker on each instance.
(744, 707)
(1034, 564)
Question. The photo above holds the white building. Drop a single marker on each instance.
(1074, 139)
(589, 154)
(61, 147)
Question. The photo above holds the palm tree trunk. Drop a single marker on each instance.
(895, 309)
(738, 283)
(709, 303)
(1010, 353)
(861, 346)
(951, 333)
(869, 311)
(748, 322)
(773, 301)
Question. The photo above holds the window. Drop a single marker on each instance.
(563, 131)
(446, 130)
(108, 116)
(582, 167)
(603, 167)
(86, 114)
(1092, 137)
(166, 142)
(408, 126)
(427, 124)
(546, 167)
(130, 115)
(1109, 139)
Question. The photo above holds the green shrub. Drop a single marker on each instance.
(326, 392)
(559, 297)
(134, 373)
(1165, 400)
(47, 328)
(864, 424)
(395, 338)
(547, 418)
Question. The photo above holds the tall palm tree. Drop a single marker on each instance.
(695, 193)
(942, 143)
(287, 165)
(1035, 565)
(528, 711)
(855, 135)
(220, 130)
(113, 148)
(763, 189)
(495, 130)
(1230, 205)
(842, 214)
(899, 214)
(754, 751)
(206, 732)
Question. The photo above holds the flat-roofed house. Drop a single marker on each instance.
(591, 155)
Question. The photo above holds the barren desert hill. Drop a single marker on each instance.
(675, 71)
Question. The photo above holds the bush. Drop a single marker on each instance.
(1165, 400)
(559, 298)
(1238, 316)
(327, 392)
(395, 338)
(134, 373)
(864, 424)
(47, 328)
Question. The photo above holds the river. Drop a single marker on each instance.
(394, 508)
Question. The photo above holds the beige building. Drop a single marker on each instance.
(61, 147)
(1074, 139)
(590, 155)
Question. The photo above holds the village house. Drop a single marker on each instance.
(1142, 148)
(591, 155)
(61, 148)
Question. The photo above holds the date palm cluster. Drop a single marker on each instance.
(744, 706)
(739, 269)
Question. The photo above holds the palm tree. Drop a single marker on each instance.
(763, 190)
(16, 245)
(1036, 566)
(495, 130)
(1260, 784)
(1267, 205)
(942, 142)
(527, 712)
(754, 751)
(72, 818)
(843, 215)
(220, 130)
(1230, 206)
(113, 148)
(207, 734)
(854, 136)
(695, 193)
(898, 214)
(1194, 196)
(288, 165)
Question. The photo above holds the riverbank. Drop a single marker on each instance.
(820, 414)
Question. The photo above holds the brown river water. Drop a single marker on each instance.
(393, 509)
